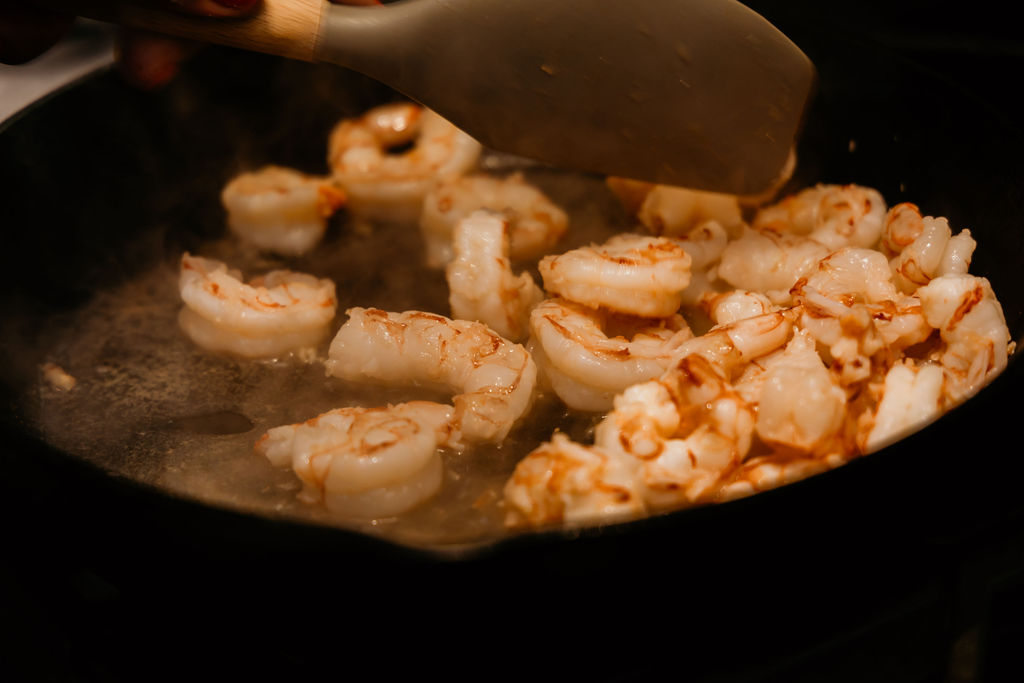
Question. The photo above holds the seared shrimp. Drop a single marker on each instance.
(970, 321)
(535, 222)
(705, 245)
(730, 347)
(634, 274)
(912, 396)
(481, 284)
(924, 247)
(728, 307)
(676, 211)
(588, 355)
(280, 209)
(801, 406)
(365, 462)
(769, 262)
(688, 428)
(562, 481)
(851, 306)
(279, 312)
(379, 182)
(493, 377)
(763, 473)
(833, 215)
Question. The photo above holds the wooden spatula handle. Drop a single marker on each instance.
(287, 28)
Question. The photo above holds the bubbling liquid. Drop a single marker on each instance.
(149, 405)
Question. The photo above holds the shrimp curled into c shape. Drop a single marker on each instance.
(380, 182)
(279, 209)
(635, 274)
(365, 462)
(481, 283)
(279, 312)
(588, 355)
(493, 377)
(535, 223)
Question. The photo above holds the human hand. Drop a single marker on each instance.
(146, 60)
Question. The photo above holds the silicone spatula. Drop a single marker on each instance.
(704, 94)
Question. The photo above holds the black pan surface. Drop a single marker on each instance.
(101, 181)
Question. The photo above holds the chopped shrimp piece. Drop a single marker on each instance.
(912, 397)
(705, 245)
(365, 462)
(273, 314)
(924, 247)
(493, 378)
(851, 306)
(57, 377)
(536, 223)
(902, 225)
(727, 307)
(852, 274)
(763, 473)
(279, 209)
(634, 274)
(380, 182)
(801, 407)
(481, 284)
(970, 320)
(675, 211)
(730, 347)
(769, 262)
(833, 215)
(688, 428)
(589, 355)
(565, 482)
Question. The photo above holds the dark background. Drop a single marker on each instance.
(177, 602)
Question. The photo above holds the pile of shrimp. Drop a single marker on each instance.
(722, 347)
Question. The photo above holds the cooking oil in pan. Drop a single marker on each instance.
(149, 405)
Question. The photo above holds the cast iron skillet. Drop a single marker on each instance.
(91, 177)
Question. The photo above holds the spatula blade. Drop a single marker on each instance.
(704, 94)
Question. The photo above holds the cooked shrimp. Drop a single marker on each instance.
(833, 215)
(688, 428)
(494, 377)
(801, 407)
(280, 209)
(902, 225)
(481, 284)
(676, 211)
(588, 355)
(850, 305)
(852, 275)
(634, 274)
(728, 307)
(562, 481)
(57, 377)
(705, 245)
(912, 397)
(769, 262)
(730, 347)
(536, 223)
(763, 473)
(973, 329)
(365, 462)
(279, 312)
(924, 247)
(379, 182)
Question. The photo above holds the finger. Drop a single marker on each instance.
(26, 33)
(149, 61)
(214, 8)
